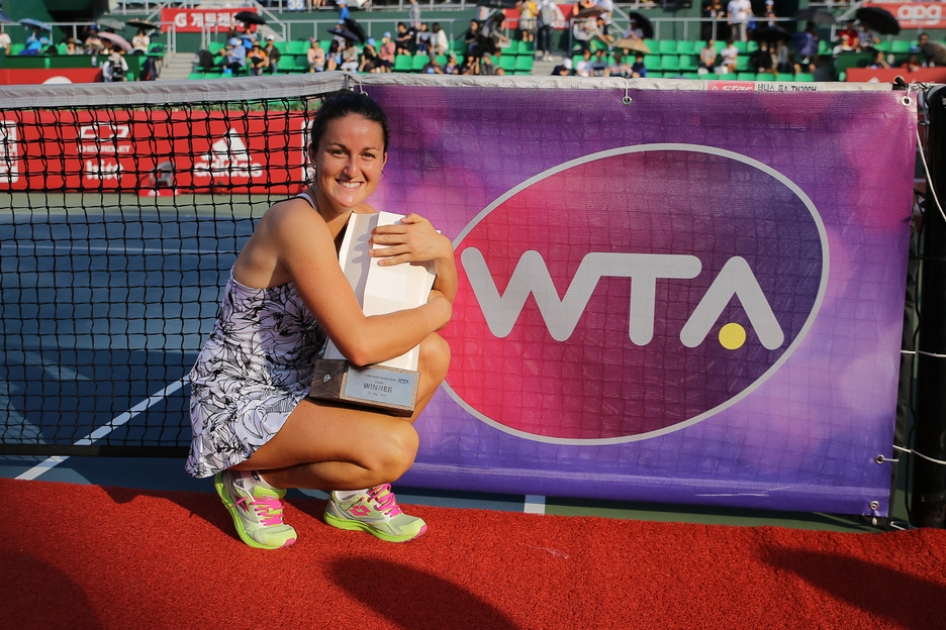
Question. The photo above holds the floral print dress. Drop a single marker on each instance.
(253, 371)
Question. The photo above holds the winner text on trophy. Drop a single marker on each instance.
(391, 385)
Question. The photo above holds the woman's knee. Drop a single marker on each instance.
(394, 452)
(435, 356)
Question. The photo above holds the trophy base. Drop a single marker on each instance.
(387, 389)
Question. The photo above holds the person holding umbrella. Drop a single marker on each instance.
(36, 42)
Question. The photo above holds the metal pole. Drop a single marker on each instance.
(928, 500)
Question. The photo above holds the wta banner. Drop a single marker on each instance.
(664, 296)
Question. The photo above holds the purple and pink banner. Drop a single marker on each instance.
(694, 297)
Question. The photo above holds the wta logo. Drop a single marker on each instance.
(632, 292)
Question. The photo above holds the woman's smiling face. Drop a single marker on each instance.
(348, 162)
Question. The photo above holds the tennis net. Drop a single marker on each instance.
(122, 209)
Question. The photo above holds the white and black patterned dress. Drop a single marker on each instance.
(253, 371)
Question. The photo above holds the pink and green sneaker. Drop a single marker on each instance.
(256, 508)
(375, 512)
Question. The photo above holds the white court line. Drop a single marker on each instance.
(535, 504)
(102, 431)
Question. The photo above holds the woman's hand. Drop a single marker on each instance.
(414, 239)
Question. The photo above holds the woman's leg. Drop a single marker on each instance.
(326, 446)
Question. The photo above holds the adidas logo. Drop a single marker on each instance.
(228, 157)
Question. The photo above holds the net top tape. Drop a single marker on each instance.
(252, 88)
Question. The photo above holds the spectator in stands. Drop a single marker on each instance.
(583, 66)
(783, 57)
(404, 42)
(272, 55)
(806, 49)
(770, 12)
(602, 27)
(714, 24)
(386, 52)
(638, 71)
(548, 14)
(471, 65)
(315, 56)
(350, 61)
(72, 47)
(564, 69)
(528, 10)
(848, 40)
(257, 60)
(487, 67)
(879, 62)
(413, 14)
(583, 31)
(740, 13)
(866, 39)
(343, 12)
(422, 40)
(370, 61)
(599, 65)
(608, 6)
(140, 42)
(4, 41)
(472, 40)
(432, 66)
(234, 56)
(439, 42)
(333, 59)
(35, 43)
(761, 59)
(115, 69)
(452, 66)
(912, 64)
(708, 58)
(730, 55)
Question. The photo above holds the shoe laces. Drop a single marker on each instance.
(269, 510)
(384, 500)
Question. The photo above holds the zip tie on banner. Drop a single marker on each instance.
(880, 459)
(925, 354)
(627, 97)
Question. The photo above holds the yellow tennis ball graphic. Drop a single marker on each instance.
(732, 336)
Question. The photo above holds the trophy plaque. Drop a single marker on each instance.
(390, 386)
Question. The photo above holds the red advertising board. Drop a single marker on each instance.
(923, 75)
(914, 14)
(196, 20)
(183, 151)
(55, 75)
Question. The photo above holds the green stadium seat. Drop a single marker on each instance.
(745, 76)
(900, 46)
(765, 76)
(742, 63)
(884, 47)
(215, 47)
(804, 77)
(597, 44)
(459, 47)
(693, 75)
(688, 62)
(667, 47)
(507, 63)
(652, 62)
(526, 48)
(728, 76)
(654, 75)
(403, 63)
(418, 62)
(297, 46)
(720, 45)
(524, 64)
(752, 46)
(686, 47)
(742, 47)
(824, 48)
(842, 77)
(282, 47)
(652, 45)
(670, 63)
(16, 49)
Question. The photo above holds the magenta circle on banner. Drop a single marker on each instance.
(632, 292)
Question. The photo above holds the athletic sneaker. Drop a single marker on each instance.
(375, 512)
(256, 509)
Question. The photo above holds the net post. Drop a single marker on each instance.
(928, 489)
